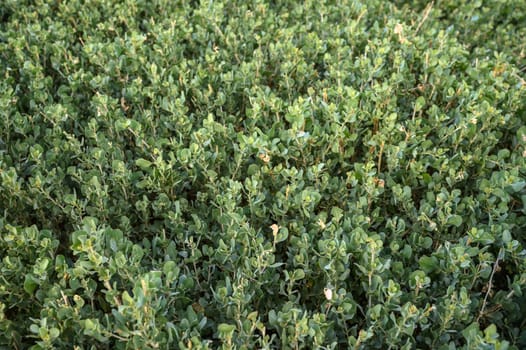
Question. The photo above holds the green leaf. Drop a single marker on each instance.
(506, 236)
(54, 333)
(127, 299)
(30, 284)
(428, 263)
(282, 234)
(298, 274)
(225, 328)
(455, 220)
(70, 199)
(420, 103)
(143, 163)
(34, 328)
(518, 186)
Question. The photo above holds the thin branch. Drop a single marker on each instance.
(490, 285)
(427, 10)
(379, 165)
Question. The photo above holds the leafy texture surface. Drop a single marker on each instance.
(259, 174)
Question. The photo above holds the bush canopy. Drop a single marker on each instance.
(262, 174)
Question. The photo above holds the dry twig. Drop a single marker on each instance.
(490, 285)
(427, 10)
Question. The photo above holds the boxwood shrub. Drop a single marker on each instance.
(262, 174)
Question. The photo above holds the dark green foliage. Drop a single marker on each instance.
(255, 174)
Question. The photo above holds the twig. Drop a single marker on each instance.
(379, 164)
(490, 285)
(427, 10)
(523, 82)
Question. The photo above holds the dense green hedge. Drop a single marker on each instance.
(262, 174)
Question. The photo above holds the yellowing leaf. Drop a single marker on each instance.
(264, 157)
(328, 293)
(275, 229)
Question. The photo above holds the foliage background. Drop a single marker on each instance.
(259, 174)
